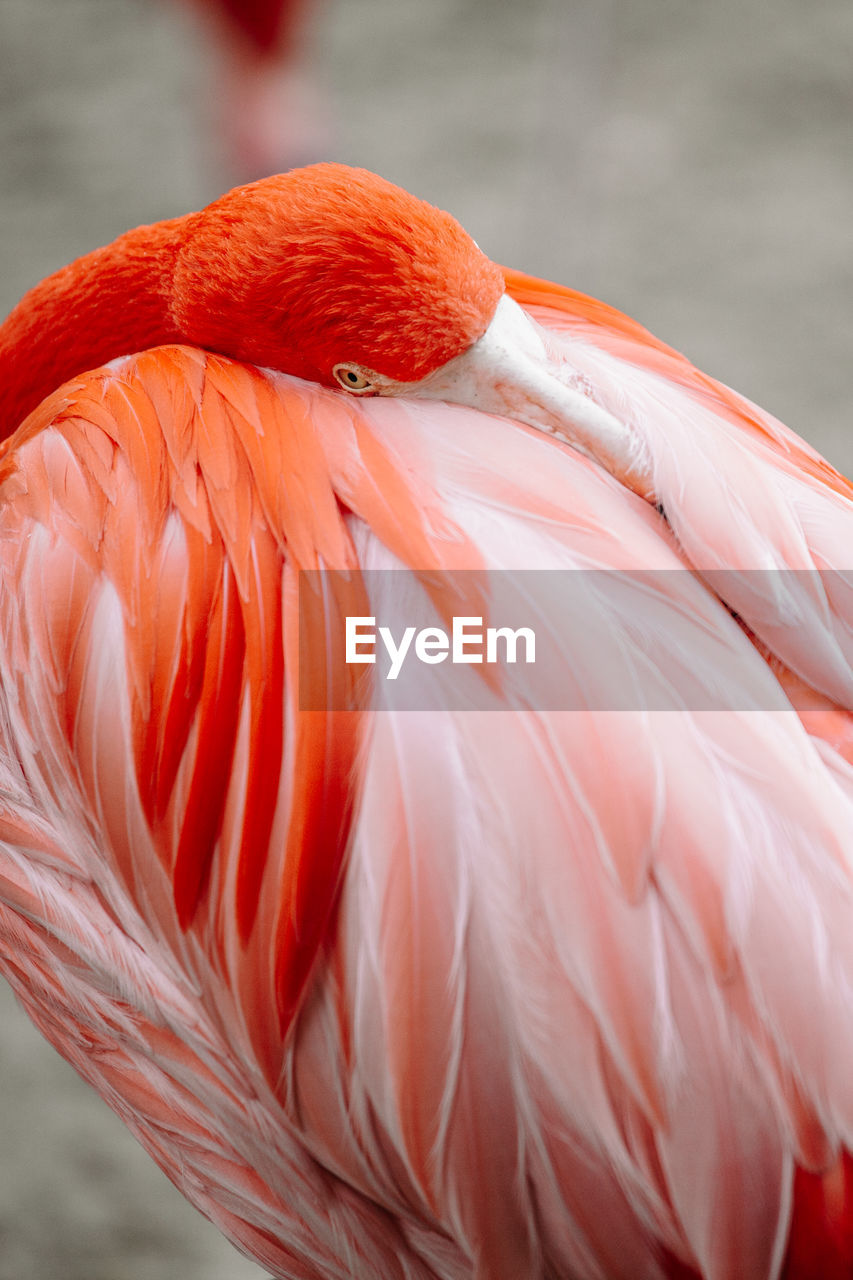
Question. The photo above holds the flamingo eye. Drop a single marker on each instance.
(351, 378)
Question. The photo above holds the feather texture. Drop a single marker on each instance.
(438, 993)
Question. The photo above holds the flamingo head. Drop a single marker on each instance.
(328, 267)
(340, 277)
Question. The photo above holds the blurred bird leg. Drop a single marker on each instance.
(267, 112)
(270, 113)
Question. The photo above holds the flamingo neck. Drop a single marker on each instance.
(109, 303)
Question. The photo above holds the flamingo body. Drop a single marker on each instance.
(443, 993)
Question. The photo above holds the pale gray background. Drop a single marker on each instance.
(691, 163)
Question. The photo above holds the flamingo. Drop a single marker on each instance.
(511, 991)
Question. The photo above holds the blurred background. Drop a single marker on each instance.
(691, 164)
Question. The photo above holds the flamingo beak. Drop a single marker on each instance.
(508, 372)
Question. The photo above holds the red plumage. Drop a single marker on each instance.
(252, 277)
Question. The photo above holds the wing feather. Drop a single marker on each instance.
(756, 510)
(450, 992)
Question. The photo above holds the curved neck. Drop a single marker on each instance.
(109, 303)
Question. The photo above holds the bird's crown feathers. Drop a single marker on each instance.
(330, 263)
